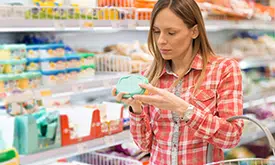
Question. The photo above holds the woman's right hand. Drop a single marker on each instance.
(135, 104)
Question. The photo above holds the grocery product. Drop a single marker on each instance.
(33, 51)
(9, 157)
(23, 82)
(73, 74)
(87, 59)
(54, 77)
(2, 65)
(116, 3)
(145, 3)
(33, 64)
(87, 71)
(50, 64)
(52, 50)
(15, 66)
(17, 51)
(35, 80)
(130, 84)
(73, 61)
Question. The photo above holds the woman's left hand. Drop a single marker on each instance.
(162, 99)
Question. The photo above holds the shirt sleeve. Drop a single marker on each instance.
(214, 128)
(141, 130)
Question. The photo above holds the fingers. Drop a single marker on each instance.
(148, 99)
(119, 97)
(114, 92)
(151, 89)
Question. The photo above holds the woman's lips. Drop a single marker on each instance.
(165, 51)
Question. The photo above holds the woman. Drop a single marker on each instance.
(193, 91)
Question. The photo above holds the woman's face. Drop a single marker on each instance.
(174, 39)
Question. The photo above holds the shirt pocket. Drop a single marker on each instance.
(205, 99)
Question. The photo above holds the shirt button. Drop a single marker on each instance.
(175, 145)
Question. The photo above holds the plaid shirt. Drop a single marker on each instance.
(172, 141)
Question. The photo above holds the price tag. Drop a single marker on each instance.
(77, 88)
(59, 25)
(116, 24)
(81, 147)
(109, 140)
(46, 92)
(88, 24)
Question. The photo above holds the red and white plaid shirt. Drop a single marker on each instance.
(174, 142)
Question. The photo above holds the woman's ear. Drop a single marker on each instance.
(195, 32)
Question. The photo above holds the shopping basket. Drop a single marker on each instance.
(247, 161)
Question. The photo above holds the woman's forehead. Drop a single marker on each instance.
(166, 19)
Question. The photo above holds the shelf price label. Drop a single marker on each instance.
(109, 140)
(78, 88)
(81, 148)
(59, 25)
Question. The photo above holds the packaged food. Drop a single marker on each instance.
(52, 50)
(87, 59)
(23, 82)
(2, 65)
(33, 64)
(54, 77)
(13, 82)
(17, 51)
(73, 74)
(50, 64)
(9, 156)
(116, 3)
(33, 51)
(73, 61)
(87, 71)
(35, 80)
(15, 66)
(130, 84)
(4, 80)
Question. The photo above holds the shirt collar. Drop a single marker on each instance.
(196, 64)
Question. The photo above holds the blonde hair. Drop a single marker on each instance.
(190, 13)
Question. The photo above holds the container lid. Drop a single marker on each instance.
(15, 46)
(7, 155)
(4, 77)
(35, 60)
(130, 84)
(85, 55)
(54, 72)
(33, 74)
(72, 57)
(88, 66)
(14, 62)
(54, 59)
(4, 62)
(55, 46)
(73, 70)
(13, 77)
(33, 47)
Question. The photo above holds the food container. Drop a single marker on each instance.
(11, 82)
(33, 51)
(87, 71)
(54, 77)
(52, 50)
(4, 80)
(87, 59)
(33, 64)
(3, 63)
(35, 80)
(23, 82)
(51, 64)
(130, 84)
(15, 66)
(73, 74)
(73, 61)
(17, 51)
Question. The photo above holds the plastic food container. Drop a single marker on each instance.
(54, 77)
(73, 74)
(33, 51)
(17, 51)
(33, 64)
(87, 59)
(87, 71)
(3, 63)
(73, 61)
(35, 80)
(51, 64)
(52, 50)
(4, 81)
(15, 66)
(12, 82)
(23, 82)
(130, 84)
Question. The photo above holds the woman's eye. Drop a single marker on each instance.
(171, 33)
(156, 32)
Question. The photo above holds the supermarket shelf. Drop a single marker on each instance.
(254, 62)
(259, 98)
(51, 156)
(248, 138)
